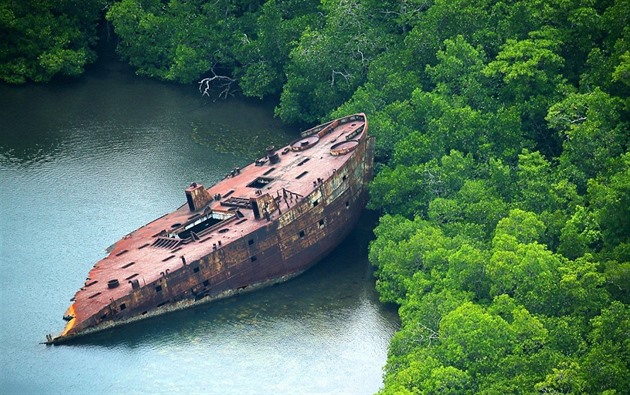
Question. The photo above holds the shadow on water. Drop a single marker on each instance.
(333, 289)
(85, 161)
(110, 104)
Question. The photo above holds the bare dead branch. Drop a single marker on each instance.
(345, 75)
(579, 119)
(223, 82)
(432, 336)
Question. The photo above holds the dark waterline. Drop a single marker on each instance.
(84, 162)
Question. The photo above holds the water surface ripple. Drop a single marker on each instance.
(84, 162)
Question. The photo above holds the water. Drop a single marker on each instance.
(84, 162)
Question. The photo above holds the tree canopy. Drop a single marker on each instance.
(503, 171)
(43, 38)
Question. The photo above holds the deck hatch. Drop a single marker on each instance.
(199, 225)
(260, 182)
(239, 202)
(278, 224)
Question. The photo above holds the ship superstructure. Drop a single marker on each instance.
(260, 225)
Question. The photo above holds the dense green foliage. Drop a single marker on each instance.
(314, 54)
(249, 40)
(43, 38)
(505, 190)
(502, 140)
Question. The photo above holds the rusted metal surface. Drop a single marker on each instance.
(261, 225)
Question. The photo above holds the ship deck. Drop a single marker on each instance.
(148, 252)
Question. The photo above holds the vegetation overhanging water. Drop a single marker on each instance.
(502, 134)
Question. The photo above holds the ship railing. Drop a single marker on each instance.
(355, 133)
(323, 129)
(315, 130)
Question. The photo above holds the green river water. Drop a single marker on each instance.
(84, 162)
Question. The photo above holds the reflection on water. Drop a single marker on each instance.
(85, 162)
(322, 332)
(229, 139)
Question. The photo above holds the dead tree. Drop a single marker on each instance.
(223, 82)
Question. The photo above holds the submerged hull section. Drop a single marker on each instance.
(261, 225)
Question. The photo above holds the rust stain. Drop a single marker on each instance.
(260, 225)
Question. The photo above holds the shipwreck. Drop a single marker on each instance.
(262, 224)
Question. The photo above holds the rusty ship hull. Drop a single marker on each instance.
(260, 225)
